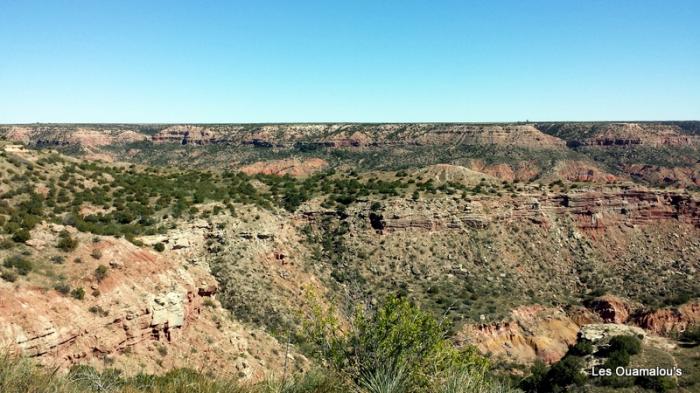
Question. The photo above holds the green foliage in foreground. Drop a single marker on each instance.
(398, 348)
(22, 376)
(19, 375)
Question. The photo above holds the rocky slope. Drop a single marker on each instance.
(659, 154)
(286, 135)
(621, 134)
(152, 312)
(540, 135)
(535, 332)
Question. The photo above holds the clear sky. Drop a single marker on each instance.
(353, 60)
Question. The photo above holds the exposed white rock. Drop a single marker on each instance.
(169, 308)
(601, 331)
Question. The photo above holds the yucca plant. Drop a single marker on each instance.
(386, 379)
(473, 381)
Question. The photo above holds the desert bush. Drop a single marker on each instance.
(566, 372)
(617, 359)
(160, 247)
(558, 378)
(78, 293)
(62, 288)
(101, 273)
(21, 236)
(66, 242)
(21, 265)
(57, 259)
(98, 310)
(397, 345)
(582, 348)
(628, 343)
(538, 372)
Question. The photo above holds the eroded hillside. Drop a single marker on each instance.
(653, 153)
(520, 238)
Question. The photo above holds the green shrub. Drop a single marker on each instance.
(619, 358)
(20, 264)
(66, 242)
(98, 310)
(399, 338)
(57, 259)
(160, 247)
(209, 303)
(78, 293)
(101, 273)
(21, 236)
(582, 348)
(538, 372)
(562, 374)
(62, 288)
(630, 344)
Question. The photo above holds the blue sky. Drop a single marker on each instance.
(364, 61)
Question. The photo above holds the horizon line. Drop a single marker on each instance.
(350, 122)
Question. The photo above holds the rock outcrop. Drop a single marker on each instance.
(292, 167)
(533, 332)
(306, 136)
(611, 309)
(445, 173)
(150, 312)
(667, 321)
(590, 210)
(186, 135)
(601, 332)
(621, 134)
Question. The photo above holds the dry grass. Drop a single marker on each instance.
(21, 375)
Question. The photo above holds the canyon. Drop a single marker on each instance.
(219, 242)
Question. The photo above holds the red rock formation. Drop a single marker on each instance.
(682, 176)
(669, 320)
(611, 309)
(579, 171)
(146, 301)
(533, 332)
